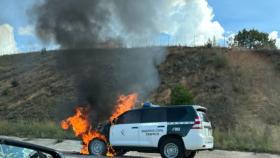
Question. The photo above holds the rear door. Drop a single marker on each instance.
(126, 131)
(153, 126)
(180, 120)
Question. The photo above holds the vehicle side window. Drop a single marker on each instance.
(177, 114)
(154, 115)
(130, 117)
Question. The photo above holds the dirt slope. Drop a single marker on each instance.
(240, 88)
(229, 82)
(31, 87)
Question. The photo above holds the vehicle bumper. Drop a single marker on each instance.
(197, 141)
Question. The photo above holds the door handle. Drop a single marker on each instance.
(160, 126)
(134, 127)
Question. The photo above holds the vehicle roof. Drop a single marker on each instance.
(196, 107)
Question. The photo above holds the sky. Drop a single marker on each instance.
(235, 15)
(232, 15)
(14, 13)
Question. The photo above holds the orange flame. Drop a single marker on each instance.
(81, 125)
(125, 103)
(79, 121)
(82, 128)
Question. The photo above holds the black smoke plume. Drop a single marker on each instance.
(71, 23)
(93, 23)
(102, 75)
(84, 29)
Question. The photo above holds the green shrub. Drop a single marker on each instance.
(14, 83)
(180, 95)
(5, 92)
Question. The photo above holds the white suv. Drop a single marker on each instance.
(174, 132)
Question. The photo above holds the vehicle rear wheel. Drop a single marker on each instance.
(190, 154)
(172, 148)
(97, 147)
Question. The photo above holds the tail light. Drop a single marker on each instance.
(197, 123)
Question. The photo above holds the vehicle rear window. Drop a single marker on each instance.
(130, 117)
(177, 114)
(154, 115)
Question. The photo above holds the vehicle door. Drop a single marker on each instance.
(126, 130)
(153, 126)
(180, 120)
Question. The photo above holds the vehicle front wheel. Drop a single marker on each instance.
(97, 147)
(172, 148)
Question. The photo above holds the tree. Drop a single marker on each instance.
(209, 43)
(253, 39)
(180, 96)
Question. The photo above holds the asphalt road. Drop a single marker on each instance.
(203, 154)
(71, 150)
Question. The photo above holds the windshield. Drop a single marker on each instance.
(8, 151)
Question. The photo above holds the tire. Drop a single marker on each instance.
(97, 147)
(190, 154)
(172, 148)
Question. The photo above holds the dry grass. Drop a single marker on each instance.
(260, 81)
(258, 127)
(33, 129)
(255, 137)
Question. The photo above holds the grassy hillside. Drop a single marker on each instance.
(240, 88)
(31, 87)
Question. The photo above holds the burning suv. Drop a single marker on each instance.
(175, 132)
